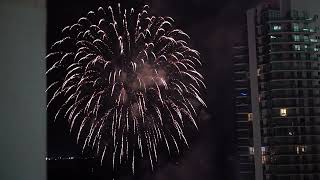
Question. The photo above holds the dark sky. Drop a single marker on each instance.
(213, 27)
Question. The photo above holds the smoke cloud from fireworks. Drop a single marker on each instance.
(129, 84)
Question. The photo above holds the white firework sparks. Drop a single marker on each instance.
(129, 82)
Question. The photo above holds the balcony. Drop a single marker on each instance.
(243, 142)
(285, 140)
(243, 109)
(291, 104)
(293, 168)
(242, 101)
(290, 93)
(241, 68)
(244, 125)
(293, 18)
(275, 41)
(291, 31)
(247, 167)
(239, 61)
(285, 75)
(291, 150)
(293, 114)
(286, 85)
(294, 59)
(240, 56)
(242, 84)
(291, 50)
(291, 131)
(240, 76)
(291, 122)
(294, 159)
(291, 66)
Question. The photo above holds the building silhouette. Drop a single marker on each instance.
(277, 94)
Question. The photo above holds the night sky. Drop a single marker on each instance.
(213, 27)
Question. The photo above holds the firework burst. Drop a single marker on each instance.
(129, 83)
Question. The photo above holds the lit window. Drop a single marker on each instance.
(296, 37)
(250, 117)
(295, 27)
(259, 98)
(277, 27)
(263, 150)
(251, 150)
(264, 159)
(297, 47)
(313, 40)
(258, 71)
(301, 149)
(273, 37)
(305, 46)
(283, 112)
(316, 49)
(243, 93)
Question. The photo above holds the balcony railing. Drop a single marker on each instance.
(292, 140)
(290, 50)
(280, 40)
(292, 18)
(294, 160)
(294, 114)
(292, 131)
(302, 59)
(292, 31)
(291, 169)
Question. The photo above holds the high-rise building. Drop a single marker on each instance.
(243, 114)
(277, 94)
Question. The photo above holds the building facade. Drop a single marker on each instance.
(243, 114)
(277, 81)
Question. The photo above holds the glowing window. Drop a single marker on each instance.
(277, 27)
(263, 150)
(259, 98)
(295, 27)
(243, 94)
(251, 150)
(250, 117)
(297, 47)
(264, 159)
(296, 37)
(313, 40)
(301, 149)
(283, 112)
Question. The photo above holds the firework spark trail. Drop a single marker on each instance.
(130, 82)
